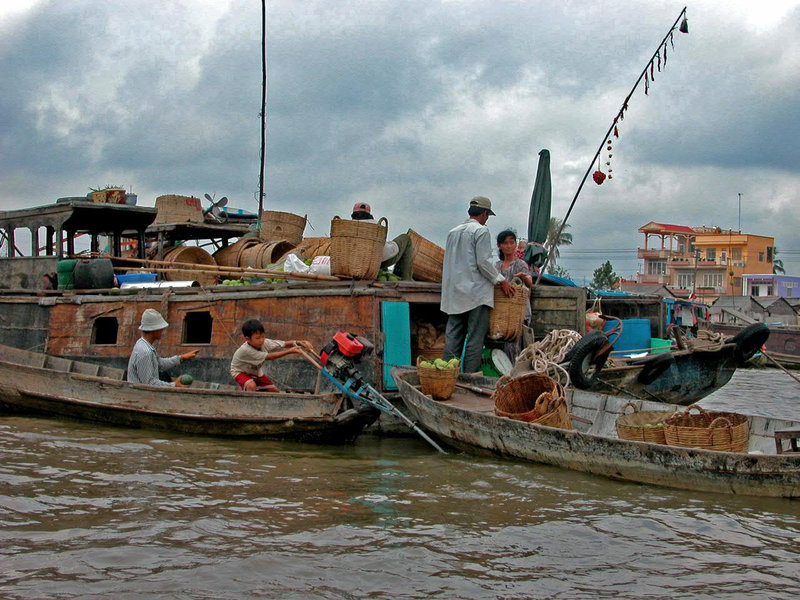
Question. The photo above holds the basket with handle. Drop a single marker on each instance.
(438, 383)
(505, 319)
(722, 431)
(357, 247)
(535, 398)
(428, 258)
(642, 426)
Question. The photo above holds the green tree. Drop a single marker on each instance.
(604, 277)
(558, 271)
(565, 239)
(777, 263)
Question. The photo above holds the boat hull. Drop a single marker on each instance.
(684, 468)
(31, 390)
(693, 375)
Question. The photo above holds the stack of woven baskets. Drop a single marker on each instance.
(535, 398)
(712, 430)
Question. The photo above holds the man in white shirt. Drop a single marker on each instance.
(468, 280)
(398, 252)
(145, 364)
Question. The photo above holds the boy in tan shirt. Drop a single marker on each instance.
(247, 364)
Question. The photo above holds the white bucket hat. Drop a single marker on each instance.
(152, 320)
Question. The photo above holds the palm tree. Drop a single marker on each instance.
(777, 263)
(564, 239)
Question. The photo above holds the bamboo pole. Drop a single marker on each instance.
(180, 266)
(780, 366)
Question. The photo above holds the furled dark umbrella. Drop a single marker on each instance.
(539, 213)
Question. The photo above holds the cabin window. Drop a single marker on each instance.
(197, 327)
(104, 331)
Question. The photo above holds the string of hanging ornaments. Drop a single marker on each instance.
(656, 63)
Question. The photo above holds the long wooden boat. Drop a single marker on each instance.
(41, 384)
(467, 420)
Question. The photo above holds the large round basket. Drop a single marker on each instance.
(642, 426)
(277, 225)
(357, 247)
(263, 254)
(428, 258)
(505, 319)
(193, 255)
(535, 398)
(310, 248)
(722, 431)
(438, 383)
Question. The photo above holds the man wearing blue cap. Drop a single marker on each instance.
(468, 280)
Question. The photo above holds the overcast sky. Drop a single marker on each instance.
(414, 107)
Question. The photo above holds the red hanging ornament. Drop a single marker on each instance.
(599, 177)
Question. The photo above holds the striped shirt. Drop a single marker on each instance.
(145, 364)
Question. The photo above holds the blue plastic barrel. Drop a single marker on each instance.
(635, 335)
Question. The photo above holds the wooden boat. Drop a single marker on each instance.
(682, 376)
(467, 420)
(41, 384)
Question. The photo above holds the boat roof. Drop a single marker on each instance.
(199, 231)
(80, 216)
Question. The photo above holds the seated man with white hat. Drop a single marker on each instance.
(398, 252)
(145, 364)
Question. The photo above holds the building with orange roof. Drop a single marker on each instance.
(708, 262)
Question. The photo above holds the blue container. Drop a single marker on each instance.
(635, 336)
(137, 278)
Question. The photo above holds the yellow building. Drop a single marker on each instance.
(705, 261)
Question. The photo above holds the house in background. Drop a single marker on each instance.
(706, 262)
(784, 286)
(744, 310)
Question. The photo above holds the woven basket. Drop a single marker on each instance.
(277, 225)
(194, 255)
(428, 258)
(644, 426)
(722, 431)
(313, 247)
(438, 383)
(534, 398)
(357, 247)
(505, 319)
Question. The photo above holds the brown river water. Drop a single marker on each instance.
(102, 512)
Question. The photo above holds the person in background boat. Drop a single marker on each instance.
(520, 251)
(145, 364)
(247, 364)
(398, 252)
(468, 280)
(512, 266)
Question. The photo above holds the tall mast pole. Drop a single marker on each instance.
(683, 29)
(263, 105)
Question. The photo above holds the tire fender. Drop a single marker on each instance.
(584, 354)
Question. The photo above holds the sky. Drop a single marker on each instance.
(414, 106)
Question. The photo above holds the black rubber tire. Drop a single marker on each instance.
(654, 366)
(583, 356)
(749, 341)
